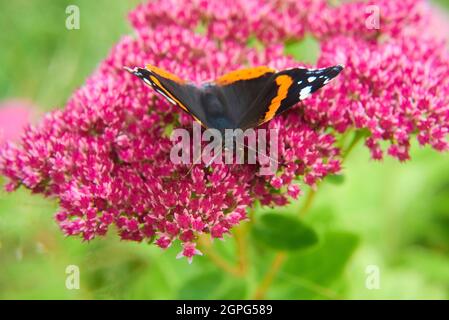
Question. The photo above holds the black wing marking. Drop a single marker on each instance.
(234, 92)
(284, 90)
(241, 99)
(175, 90)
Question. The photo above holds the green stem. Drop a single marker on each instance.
(205, 246)
(241, 234)
(241, 237)
(280, 257)
(357, 137)
(271, 274)
(307, 203)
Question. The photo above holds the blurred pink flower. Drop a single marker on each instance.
(392, 90)
(438, 24)
(105, 157)
(15, 114)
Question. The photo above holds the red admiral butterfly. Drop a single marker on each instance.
(241, 99)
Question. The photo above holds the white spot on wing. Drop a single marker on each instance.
(305, 93)
(165, 96)
(326, 81)
(316, 71)
(311, 79)
(148, 82)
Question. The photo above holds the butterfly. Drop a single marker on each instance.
(241, 99)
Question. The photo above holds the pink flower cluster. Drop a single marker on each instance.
(392, 90)
(105, 156)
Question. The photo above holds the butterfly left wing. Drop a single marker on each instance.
(174, 89)
(283, 90)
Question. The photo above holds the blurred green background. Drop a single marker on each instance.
(390, 215)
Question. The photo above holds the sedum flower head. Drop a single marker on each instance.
(105, 156)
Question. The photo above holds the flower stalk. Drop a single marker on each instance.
(280, 257)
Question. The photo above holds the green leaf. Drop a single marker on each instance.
(305, 50)
(429, 263)
(235, 290)
(253, 42)
(283, 232)
(203, 286)
(331, 257)
(201, 28)
(336, 179)
(168, 130)
(213, 285)
(142, 284)
(311, 274)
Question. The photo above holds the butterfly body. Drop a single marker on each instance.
(241, 99)
(217, 112)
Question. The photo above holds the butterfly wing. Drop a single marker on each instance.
(175, 90)
(235, 92)
(283, 90)
(242, 99)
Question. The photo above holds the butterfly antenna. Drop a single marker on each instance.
(220, 153)
(207, 164)
(213, 159)
(130, 70)
(188, 172)
(258, 152)
(191, 167)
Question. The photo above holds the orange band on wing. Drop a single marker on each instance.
(160, 86)
(284, 82)
(243, 74)
(164, 74)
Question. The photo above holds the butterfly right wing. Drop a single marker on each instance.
(285, 89)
